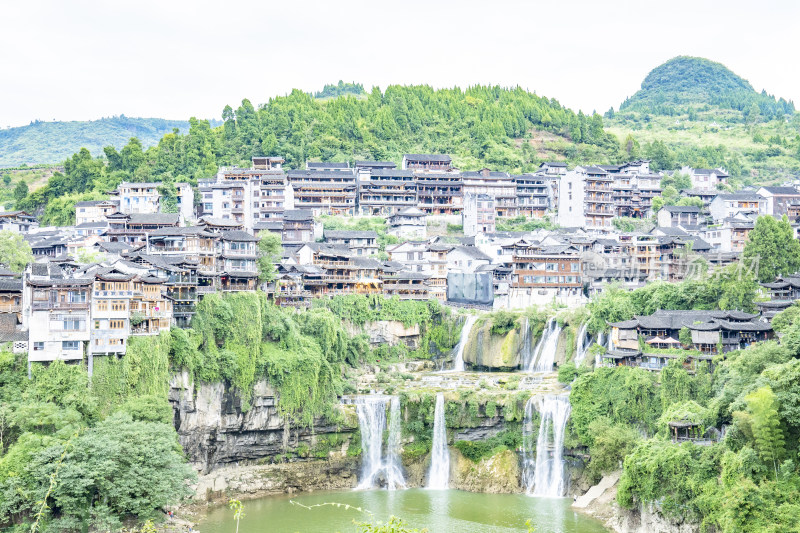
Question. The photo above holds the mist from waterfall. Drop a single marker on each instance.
(543, 468)
(439, 472)
(544, 355)
(378, 468)
(458, 358)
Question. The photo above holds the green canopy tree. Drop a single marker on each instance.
(766, 425)
(771, 244)
(15, 252)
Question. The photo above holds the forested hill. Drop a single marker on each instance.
(52, 142)
(687, 81)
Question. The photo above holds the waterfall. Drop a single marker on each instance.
(458, 359)
(526, 343)
(601, 339)
(581, 344)
(376, 468)
(528, 447)
(545, 353)
(439, 473)
(543, 475)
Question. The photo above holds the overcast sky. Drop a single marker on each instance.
(80, 60)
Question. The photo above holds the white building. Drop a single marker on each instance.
(478, 215)
(408, 223)
(706, 179)
(571, 198)
(728, 205)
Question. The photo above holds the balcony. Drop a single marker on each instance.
(50, 304)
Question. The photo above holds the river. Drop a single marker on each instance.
(440, 511)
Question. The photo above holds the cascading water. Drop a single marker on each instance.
(439, 473)
(582, 344)
(375, 467)
(544, 474)
(545, 353)
(458, 358)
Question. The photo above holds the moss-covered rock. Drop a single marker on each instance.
(499, 473)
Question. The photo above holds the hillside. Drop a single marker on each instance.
(52, 142)
(692, 111)
(689, 82)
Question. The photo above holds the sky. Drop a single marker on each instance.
(86, 59)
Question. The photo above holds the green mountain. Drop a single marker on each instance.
(684, 82)
(53, 142)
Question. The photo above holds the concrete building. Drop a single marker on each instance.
(479, 214)
(408, 223)
(728, 205)
(571, 197)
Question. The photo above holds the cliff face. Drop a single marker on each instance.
(214, 432)
(485, 351)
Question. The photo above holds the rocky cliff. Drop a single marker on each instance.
(214, 432)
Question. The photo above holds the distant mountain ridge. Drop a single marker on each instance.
(53, 142)
(694, 81)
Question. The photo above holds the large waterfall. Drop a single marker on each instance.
(458, 358)
(376, 467)
(582, 344)
(544, 355)
(439, 473)
(544, 474)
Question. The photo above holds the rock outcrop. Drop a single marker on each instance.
(215, 432)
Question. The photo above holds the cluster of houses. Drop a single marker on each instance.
(137, 264)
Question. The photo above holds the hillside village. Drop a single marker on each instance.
(128, 268)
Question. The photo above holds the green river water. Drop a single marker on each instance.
(440, 511)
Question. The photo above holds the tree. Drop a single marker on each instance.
(269, 253)
(238, 511)
(137, 467)
(15, 252)
(20, 191)
(766, 426)
(685, 336)
(772, 247)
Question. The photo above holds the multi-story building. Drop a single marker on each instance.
(543, 274)
(427, 162)
(779, 199)
(133, 228)
(571, 200)
(498, 185)
(138, 197)
(94, 210)
(706, 179)
(408, 223)
(553, 168)
(410, 254)
(17, 221)
(671, 216)
(386, 191)
(361, 243)
(56, 313)
(727, 205)
(599, 210)
(299, 227)
(236, 264)
(324, 191)
(439, 193)
(536, 194)
(479, 214)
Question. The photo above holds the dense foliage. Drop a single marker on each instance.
(732, 287)
(772, 248)
(78, 453)
(685, 80)
(340, 89)
(744, 481)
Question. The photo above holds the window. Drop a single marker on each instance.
(117, 324)
(101, 305)
(72, 324)
(96, 324)
(575, 267)
(71, 345)
(118, 305)
(38, 346)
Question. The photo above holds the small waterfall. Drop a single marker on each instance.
(439, 473)
(545, 353)
(526, 343)
(544, 475)
(581, 344)
(375, 468)
(528, 447)
(601, 339)
(458, 359)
